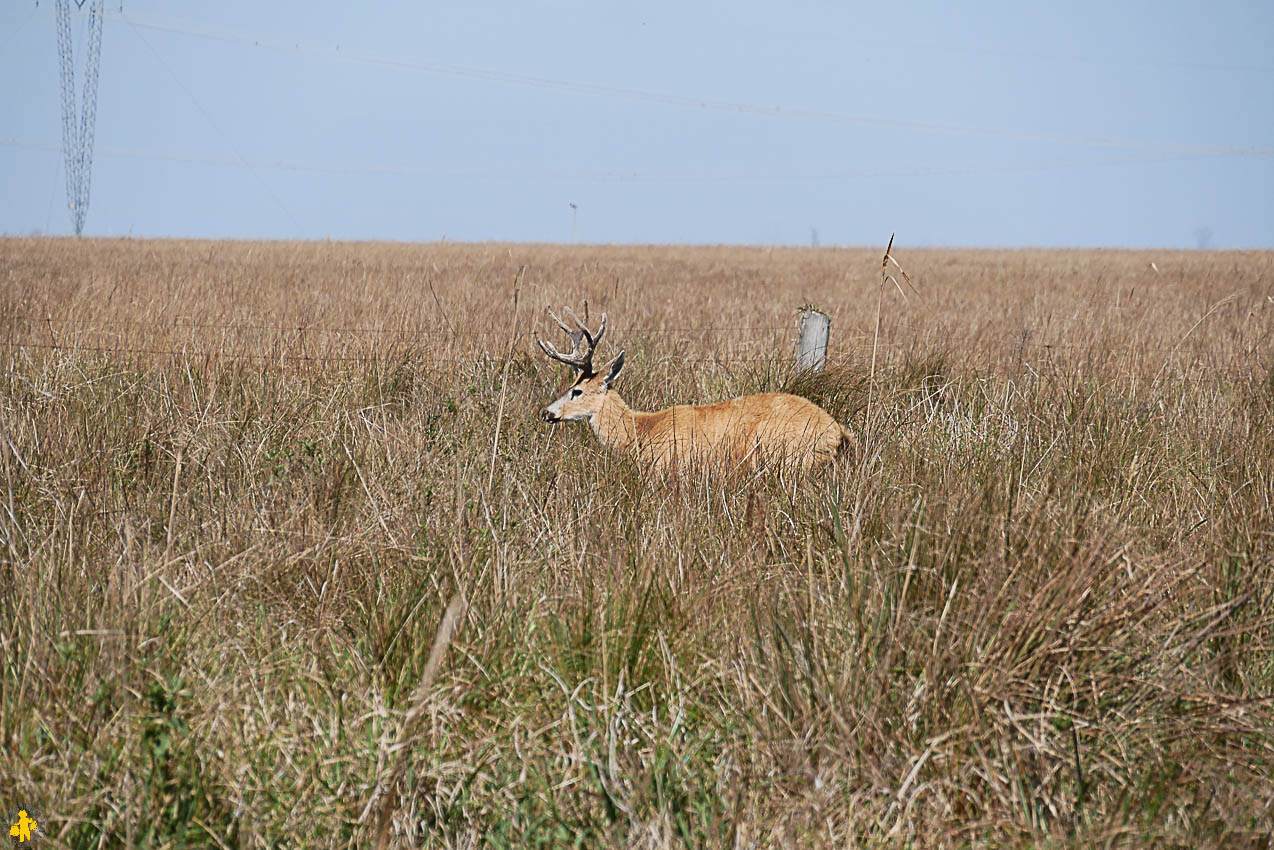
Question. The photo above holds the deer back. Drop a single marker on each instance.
(751, 430)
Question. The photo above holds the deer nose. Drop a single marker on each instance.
(547, 415)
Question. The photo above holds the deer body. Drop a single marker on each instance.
(751, 431)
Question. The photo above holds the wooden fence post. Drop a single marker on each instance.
(811, 348)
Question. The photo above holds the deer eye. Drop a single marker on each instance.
(576, 393)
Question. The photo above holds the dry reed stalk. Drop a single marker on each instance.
(504, 378)
(408, 731)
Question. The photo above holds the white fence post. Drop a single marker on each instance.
(811, 348)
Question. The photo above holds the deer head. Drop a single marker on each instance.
(584, 398)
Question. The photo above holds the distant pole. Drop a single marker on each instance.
(77, 129)
(574, 224)
(811, 347)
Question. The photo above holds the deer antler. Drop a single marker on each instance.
(581, 356)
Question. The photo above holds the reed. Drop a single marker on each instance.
(249, 493)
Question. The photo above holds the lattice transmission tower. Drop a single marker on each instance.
(77, 135)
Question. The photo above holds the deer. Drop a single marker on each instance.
(748, 432)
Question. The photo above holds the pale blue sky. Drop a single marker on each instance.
(1003, 124)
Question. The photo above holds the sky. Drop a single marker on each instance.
(989, 124)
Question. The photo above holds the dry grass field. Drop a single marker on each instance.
(288, 559)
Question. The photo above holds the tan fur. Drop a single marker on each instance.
(750, 431)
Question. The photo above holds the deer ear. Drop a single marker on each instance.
(612, 371)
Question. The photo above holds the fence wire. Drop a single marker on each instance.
(857, 345)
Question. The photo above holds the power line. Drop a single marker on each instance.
(668, 99)
(4, 42)
(1036, 56)
(208, 117)
(621, 176)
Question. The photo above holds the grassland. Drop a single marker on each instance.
(243, 483)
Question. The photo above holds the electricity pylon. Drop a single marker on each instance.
(77, 137)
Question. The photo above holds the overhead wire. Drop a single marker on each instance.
(706, 176)
(678, 100)
(4, 41)
(1134, 151)
(216, 127)
(1036, 56)
(1148, 151)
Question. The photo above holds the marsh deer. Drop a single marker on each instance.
(750, 431)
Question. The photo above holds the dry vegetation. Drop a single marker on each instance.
(241, 484)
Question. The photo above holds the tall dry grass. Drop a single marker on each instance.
(270, 577)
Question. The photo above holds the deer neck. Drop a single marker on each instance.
(615, 424)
